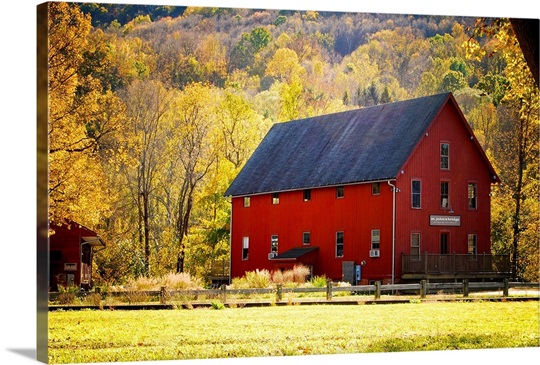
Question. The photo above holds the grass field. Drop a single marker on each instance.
(107, 336)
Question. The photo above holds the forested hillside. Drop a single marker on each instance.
(154, 110)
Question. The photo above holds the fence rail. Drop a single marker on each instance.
(421, 289)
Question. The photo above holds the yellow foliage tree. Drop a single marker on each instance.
(81, 116)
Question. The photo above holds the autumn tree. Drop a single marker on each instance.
(250, 43)
(190, 152)
(516, 154)
(82, 112)
(144, 141)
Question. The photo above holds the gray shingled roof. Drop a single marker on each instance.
(295, 253)
(360, 145)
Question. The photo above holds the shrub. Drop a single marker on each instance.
(66, 298)
(265, 278)
(300, 273)
(288, 276)
(258, 278)
(277, 277)
(180, 281)
(142, 283)
(217, 305)
(318, 281)
(172, 281)
(93, 299)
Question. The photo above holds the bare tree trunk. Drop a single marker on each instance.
(516, 226)
(183, 224)
(146, 227)
(518, 195)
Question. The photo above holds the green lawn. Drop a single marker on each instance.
(107, 336)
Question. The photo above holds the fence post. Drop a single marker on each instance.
(279, 292)
(465, 288)
(423, 289)
(224, 293)
(163, 295)
(377, 290)
(505, 288)
(329, 290)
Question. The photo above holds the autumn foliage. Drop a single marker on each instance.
(152, 115)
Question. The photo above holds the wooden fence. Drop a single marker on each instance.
(422, 289)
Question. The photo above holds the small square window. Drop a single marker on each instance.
(275, 198)
(340, 191)
(274, 244)
(247, 201)
(376, 188)
(375, 239)
(306, 238)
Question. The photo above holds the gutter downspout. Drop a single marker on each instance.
(393, 228)
(230, 242)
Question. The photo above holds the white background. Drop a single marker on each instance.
(18, 173)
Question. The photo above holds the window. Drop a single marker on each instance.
(340, 191)
(339, 244)
(275, 198)
(445, 195)
(274, 243)
(306, 238)
(307, 195)
(416, 193)
(471, 239)
(375, 188)
(245, 248)
(415, 246)
(247, 201)
(471, 195)
(445, 156)
(375, 239)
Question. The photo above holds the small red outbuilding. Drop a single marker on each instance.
(393, 192)
(71, 250)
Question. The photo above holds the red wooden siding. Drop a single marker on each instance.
(466, 165)
(356, 214)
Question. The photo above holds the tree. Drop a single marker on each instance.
(191, 153)
(249, 45)
(239, 127)
(82, 113)
(516, 153)
(144, 140)
(285, 66)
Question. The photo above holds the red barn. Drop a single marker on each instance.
(71, 250)
(393, 192)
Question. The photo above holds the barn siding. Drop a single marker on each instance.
(356, 215)
(466, 164)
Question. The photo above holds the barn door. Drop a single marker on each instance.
(444, 243)
(86, 266)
